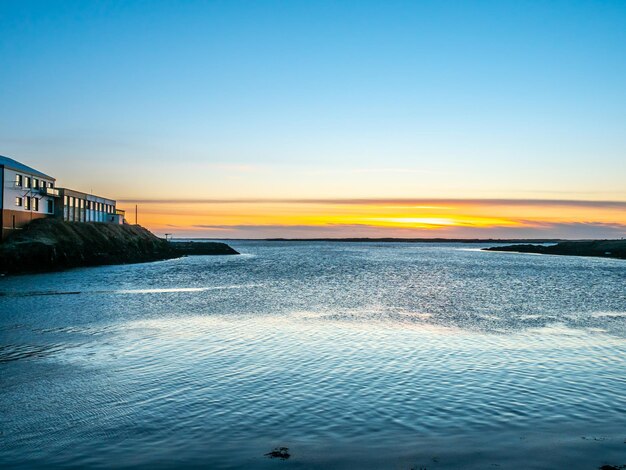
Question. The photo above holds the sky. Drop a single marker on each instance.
(326, 119)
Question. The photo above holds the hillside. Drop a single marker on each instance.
(600, 248)
(50, 245)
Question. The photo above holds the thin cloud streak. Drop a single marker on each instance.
(237, 168)
(387, 201)
(531, 224)
(543, 230)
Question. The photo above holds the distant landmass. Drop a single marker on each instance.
(600, 248)
(393, 240)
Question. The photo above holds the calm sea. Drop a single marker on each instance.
(393, 356)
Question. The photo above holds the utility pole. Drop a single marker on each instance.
(136, 215)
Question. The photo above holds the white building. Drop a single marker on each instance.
(27, 194)
(75, 206)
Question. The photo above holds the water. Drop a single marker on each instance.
(351, 355)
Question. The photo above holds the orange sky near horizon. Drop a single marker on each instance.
(382, 218)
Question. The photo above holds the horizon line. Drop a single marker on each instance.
(406, 239)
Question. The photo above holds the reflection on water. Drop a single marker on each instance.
(353, 356)
(122, 291)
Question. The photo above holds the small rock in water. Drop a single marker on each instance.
(281, 453)
(612, 467)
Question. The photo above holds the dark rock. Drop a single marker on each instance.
(52, 245)
(203, 248)
(600, 248)
(281, 453)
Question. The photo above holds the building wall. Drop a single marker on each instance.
(33, 203)
(75, 206)
(17, 219)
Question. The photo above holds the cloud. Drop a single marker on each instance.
(236, 168)
(536, 230)
(389, 201)
(213, 227)
(573, 229)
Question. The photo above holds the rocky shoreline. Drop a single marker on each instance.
(53, 245)
(598, 248)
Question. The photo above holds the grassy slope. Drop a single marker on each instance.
(49, 244)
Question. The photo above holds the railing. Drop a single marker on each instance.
(45, 190)
(54, 192)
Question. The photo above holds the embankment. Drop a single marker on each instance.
(600, 248)
(52, 245)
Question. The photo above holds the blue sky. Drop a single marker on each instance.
(523, 99)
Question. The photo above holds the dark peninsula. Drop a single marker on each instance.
(53, 245)
(599, 248)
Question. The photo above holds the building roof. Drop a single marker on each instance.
(88, 196)
(15, 165)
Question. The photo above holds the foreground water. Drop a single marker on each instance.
(351, 355)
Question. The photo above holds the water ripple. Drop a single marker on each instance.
(352, 356)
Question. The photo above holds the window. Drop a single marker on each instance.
(35, 183)
(43, 185)
(18, 201)
(36, 204)
(27, 203)
(27, 182)
(19, 180)
(82, 203)
(51, 185)
(50, 206)
(65, 200)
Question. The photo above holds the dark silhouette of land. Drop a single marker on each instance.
(52, 245)
(599, 248)
(547, 246)
(392, 240)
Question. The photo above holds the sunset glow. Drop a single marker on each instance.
(331, 119)
(322, 235)
(344, 218)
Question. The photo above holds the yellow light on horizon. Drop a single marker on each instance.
(419, 221)
(453, 217)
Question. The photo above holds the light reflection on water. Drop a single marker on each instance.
(368, 356)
